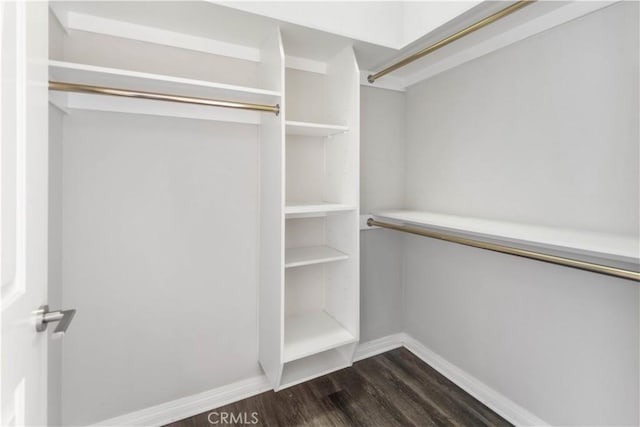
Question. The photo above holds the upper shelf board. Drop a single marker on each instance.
(314, 129)
(69, 72)
(311, 209)
(613, 247)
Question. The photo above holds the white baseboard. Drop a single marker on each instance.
(189, 406)
(209, 400)
(497, 402)
(371, 348)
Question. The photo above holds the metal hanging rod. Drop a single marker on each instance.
(468, 30)
(75, 87)
(582, 265)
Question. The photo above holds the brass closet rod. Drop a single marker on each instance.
(468, 30)
(567, 262)
(75, 87)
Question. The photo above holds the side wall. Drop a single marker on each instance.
(381, 187)
(558, 114)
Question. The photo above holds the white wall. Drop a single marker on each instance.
(382, 149)
(560, 342)
(544, 131)
(159, 259)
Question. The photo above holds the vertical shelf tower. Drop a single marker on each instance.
(309, 281)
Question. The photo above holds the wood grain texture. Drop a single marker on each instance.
(392, 389)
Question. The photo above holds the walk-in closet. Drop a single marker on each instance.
(346, 213)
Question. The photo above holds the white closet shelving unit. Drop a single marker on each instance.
(297, 257)
(308, 299)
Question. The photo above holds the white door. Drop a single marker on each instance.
(23, 210)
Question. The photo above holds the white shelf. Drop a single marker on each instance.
(310, 209)
(311, 333)
(70, 72)
(313, 129)
(616, 248)
(297, 257)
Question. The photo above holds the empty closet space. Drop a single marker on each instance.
(261, 207)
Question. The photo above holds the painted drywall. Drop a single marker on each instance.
(159, 259)
(380, 284)
(544, 131)
(382, 149)
(557, 114)
(381, 187)
(115, 52)
(559, 342)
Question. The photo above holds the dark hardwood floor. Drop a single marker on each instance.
(391, 389)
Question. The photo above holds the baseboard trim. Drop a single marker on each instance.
(209, 400)
(497, 402)
(189, 406)
(377, 346)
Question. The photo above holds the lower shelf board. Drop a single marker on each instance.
(310, 333)
(317, 365)
(297, 257)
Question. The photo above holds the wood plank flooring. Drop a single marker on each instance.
(392, 389)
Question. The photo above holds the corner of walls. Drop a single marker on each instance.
(382, 180)
(497, 402)
(377, 346)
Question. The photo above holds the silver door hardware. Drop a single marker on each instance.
(44, 317)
